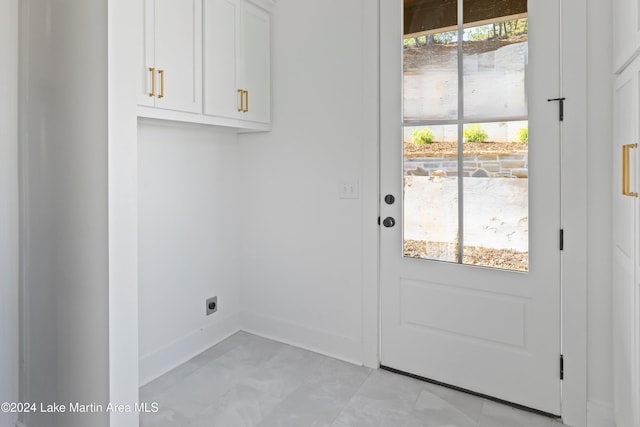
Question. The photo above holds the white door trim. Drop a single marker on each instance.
(9, 211)
(369, 187)
(124, 39)
(574, 201)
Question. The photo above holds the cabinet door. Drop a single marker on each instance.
(178, 55)
(147, 60)
(221, 46)
(626, 294)
(626, 31)
(256, 64)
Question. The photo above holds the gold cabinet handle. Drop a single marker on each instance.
(153, 82)
(241, 108)
(246, 101)
(625, 170)
(161, 73)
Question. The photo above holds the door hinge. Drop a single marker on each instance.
(561, 239)
(561, 367)
(561, 107)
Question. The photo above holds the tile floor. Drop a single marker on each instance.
(251, 381)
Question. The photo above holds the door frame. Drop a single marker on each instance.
(9, 210)
(574, 203)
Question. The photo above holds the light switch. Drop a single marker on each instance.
(349, 189)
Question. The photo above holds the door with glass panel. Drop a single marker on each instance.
(470, 195)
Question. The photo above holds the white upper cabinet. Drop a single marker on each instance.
(237, 78)
(221, 46)
(171, 69)
(626, 32)
(146, 81)
(207, 61)
(255, 64)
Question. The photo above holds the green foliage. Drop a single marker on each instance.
(499, 30)
(483, 32)
(496, 30)
(475, 133)
(415, 41)
(438, 38)
(422, 136)
(445, 38)
(523, 134)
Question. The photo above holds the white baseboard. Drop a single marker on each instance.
(600, 415)
(163, 360)
(323, 342)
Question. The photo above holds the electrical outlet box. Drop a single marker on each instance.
(212, 305)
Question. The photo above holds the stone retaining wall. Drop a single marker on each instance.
(480, 166)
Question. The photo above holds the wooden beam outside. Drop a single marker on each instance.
(427, 16)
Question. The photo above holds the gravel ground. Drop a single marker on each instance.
(450, 149)
(473, 255)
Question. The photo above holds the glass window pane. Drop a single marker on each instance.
(431, 193)
(430, 60)
(494, 69)
(496, 195)
(494, 155)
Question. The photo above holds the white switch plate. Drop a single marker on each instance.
(349, 189)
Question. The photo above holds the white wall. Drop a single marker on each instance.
(8, 206)
(188, 241)
(302, 247)
(599, 133)
(63, 141)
